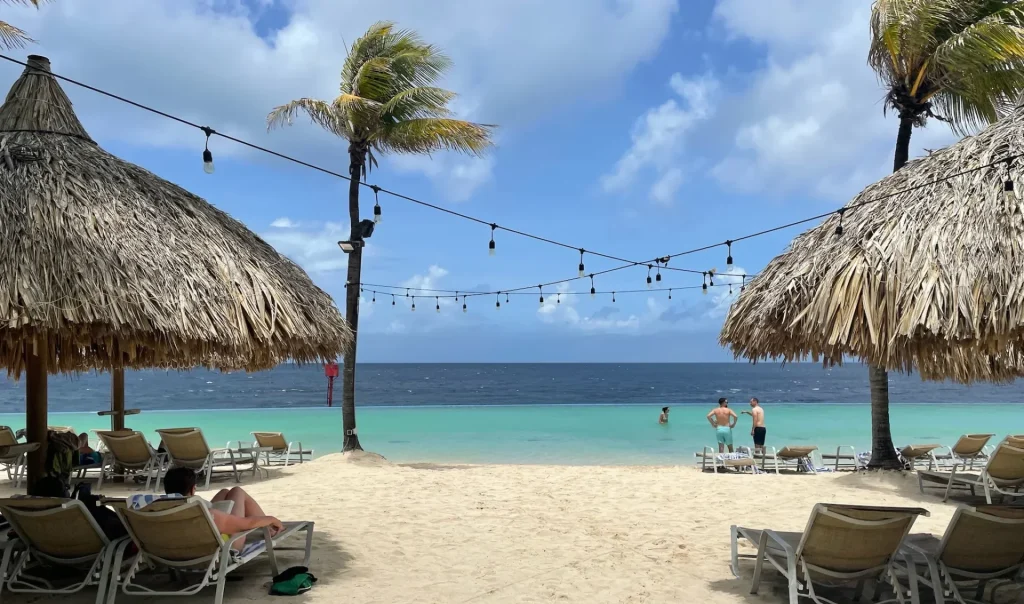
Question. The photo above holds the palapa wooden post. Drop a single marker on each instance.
(117, 399)
(36, 355)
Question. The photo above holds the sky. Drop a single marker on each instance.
(636, 128)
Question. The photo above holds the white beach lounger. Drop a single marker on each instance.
(179, 535)
(56, 533)
(788, 458)
(127, 452)
(980, 544)
(187, 448)
(1003, 474)
(840, 544)
(968, 450)
(283, 452)
(13, 454)
(844, 461)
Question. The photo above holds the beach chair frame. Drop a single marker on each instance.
(14, 454)
(17, 578)
(954, 458)
(841, 461)
(984, 479)
(214, 567)
(786, 462)
(281, 455)
(944, 580)
(773, 548)
(207, 464)
(153, 468)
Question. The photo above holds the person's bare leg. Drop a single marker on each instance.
(730, 448)
(221, 495)
(245, 501)
(721, 448)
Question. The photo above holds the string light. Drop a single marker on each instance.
(704, 284)
(558, 298)
(392, 299)
(407, 292)
(583, 269)
(728, 261)
(463, 305)
(207, 155)
(657, 276)
(839, 227)
(593, 292)
(437, 301)
(374, 301)
(669, 294)
(743, 285)
(377, 218)
(497, 301)
(506, 297)
(649, 267)
(613, 297)
(414, 304)
(711, 277)
(490, 246)
(541, 289)
(730, 289)
(1008, 192)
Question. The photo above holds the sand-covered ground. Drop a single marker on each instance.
(518, 534)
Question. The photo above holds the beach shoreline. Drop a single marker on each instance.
(435, 532)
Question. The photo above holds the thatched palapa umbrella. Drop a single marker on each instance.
(925, 276)
(105, 265)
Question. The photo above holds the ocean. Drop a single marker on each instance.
(533, 413)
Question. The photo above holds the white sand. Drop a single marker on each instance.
(425, 533)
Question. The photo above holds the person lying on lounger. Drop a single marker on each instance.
(245, 514)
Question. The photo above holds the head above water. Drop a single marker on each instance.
(180, 481)
(723, 402)
(664, 409)
(754, 402)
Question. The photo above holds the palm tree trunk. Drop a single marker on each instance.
(357, 159)
(883, 454)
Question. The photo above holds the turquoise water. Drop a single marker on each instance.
(564, 434)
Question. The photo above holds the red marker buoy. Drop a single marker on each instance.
(331, 371)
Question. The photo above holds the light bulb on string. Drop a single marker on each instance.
(558, 298)
(392, 299)
(463, 305)
(490, 246)
(1008, 193)
(374, 301)
(704, 284)
(839, 227)
(539, 288)
(613, 297)
(497, 301)
(670, 293)
(506, 297)
(649, 267)
(593, 292)
(730, 289)
(414, 304)
(657, 273)
(207, 155)
(437, 303)
(728, 260)
(583, 269)
(407, 292)
(377, 218)
(743, 284)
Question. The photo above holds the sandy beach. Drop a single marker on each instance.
(390, 533)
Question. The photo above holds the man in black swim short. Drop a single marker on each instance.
(758, 431)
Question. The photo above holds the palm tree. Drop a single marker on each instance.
(959, 61)
(388, 104)
(11, 36)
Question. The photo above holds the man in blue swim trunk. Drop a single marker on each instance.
(723, 420)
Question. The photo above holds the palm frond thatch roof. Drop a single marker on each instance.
(116, 266)
(930, 280)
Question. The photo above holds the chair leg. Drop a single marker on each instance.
(734, 560)
(309, 544)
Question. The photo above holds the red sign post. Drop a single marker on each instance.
(331, 371)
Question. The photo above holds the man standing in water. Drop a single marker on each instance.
(758, 431)
(723, 420)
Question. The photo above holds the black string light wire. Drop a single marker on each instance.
(1007, 160)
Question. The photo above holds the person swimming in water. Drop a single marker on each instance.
(723, 420)
(663, 418)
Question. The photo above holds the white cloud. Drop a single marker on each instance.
(212, 62)
(284, 223)
(658, 138)
(456, 178)
(314, 249)
(811, 121)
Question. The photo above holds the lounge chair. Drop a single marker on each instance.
(791, 457)
(841, 543)
(56, 533)
(127, 452)
(179, 535)
(980, 544)
(843, 461)
(13, 454)
(706, 458)
(968, 450)
(188, 448)
(283, 452)
(915, 454)
(1004, 471)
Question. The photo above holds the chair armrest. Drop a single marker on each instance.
(786, 547)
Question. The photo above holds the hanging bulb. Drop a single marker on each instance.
(613, 297)
(490, 246)
(669, 294)
(649, 267)
(1008, 193)
(558, 298)
(377, 218)
(541, 295)
(728, 261)
(392, 299)
(582, 268)
(730, 289)
(374, 301)
(437, 303)
(839, 228)
(207, 156)
(506, 297)
(463, 305)
(657, 275)
(704, 284)
(497, 301)
(593, 292)
(414, 304)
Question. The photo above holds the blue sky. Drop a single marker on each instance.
(637, 128)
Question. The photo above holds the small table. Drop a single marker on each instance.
(254, 454)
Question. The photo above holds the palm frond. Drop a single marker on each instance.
(12, 37)
(429, 135)
(34, 3)
(421, 101)
(321, 113)
(985, 44)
